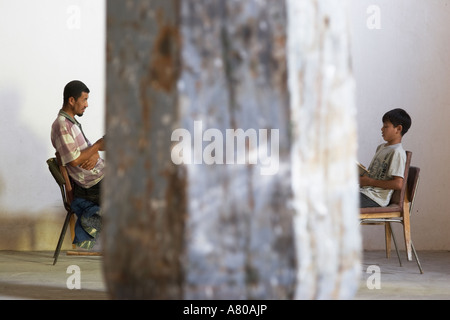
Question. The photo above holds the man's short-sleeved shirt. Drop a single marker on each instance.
(387, 163)
(68, 140)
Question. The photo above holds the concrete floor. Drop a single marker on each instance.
(31, 275)
(406, 282)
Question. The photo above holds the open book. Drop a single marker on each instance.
(361, 169)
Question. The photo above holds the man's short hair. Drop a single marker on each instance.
(74, 89)
(398, 117)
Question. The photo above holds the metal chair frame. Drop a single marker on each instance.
(62, 178)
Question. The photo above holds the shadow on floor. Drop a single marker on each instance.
(42, 292)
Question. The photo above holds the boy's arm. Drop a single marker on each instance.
(395, 184)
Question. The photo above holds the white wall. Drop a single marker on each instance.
(44, 45)
(47, 43)
(406, 64)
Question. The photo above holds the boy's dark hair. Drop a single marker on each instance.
(398, 117)
(74, 89)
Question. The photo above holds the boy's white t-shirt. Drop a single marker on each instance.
(387, 163)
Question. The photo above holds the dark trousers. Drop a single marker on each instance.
(366, 202)
(92, 194)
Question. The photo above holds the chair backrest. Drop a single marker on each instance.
(68, 182)
(61, 176)
(56, 173)
(399, 195)
(413, 182)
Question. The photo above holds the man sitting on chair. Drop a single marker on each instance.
(82, 160)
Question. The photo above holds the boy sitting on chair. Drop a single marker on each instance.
(388, 164)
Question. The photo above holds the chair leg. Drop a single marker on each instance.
(387, 234)
(407, 235)
(395, 245)
(61, 237)
(72, 230)
(417, 258)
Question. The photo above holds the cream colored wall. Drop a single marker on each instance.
(405, 63)
(45, 44)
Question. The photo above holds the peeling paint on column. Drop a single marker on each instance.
(145, 203)
(324, 150)
(199, 231)
(239, 240)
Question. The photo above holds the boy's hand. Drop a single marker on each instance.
(365, 181)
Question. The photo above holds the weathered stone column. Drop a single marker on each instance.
(145, 200)
(239, 231)
(323, 149)
(219, 185)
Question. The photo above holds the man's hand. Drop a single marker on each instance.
(89, 156)
(90, 163)
(101, 144)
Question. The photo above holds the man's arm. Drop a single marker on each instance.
(396, 183)
(89, 156)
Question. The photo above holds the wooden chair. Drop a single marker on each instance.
(398, 210)
(61, 176)
(59, 173)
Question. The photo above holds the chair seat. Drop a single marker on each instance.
(390, 208)
(391, 211)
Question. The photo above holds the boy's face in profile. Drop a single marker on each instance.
(391, 134)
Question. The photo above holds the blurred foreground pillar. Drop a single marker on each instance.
(231, 150)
